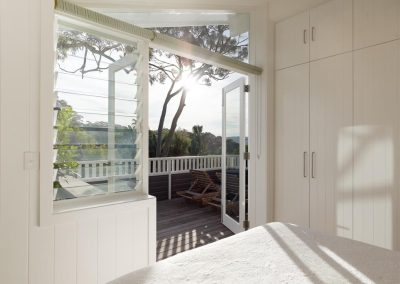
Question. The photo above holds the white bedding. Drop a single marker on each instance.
(275, 253)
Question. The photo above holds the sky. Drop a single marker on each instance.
(203, 106)
(203, 103)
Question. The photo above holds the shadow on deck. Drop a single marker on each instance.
(183, 225)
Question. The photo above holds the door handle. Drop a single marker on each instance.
(313, 164)
(305, 36)
(305, 164)
(313, 33)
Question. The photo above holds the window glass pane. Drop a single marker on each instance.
(96, 116)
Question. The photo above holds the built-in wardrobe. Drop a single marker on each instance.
(337, 95)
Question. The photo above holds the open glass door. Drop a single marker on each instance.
(233, 154)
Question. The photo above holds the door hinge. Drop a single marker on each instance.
(246, 224)
(246, 88)
(246, 156)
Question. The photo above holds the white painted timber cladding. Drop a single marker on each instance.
(94, 249)
(30, 253)
(354, 95)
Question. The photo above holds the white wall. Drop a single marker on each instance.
(282, 9)
(93, 249)
(372, 39)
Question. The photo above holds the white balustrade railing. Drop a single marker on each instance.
(179, 165)
(100, 170)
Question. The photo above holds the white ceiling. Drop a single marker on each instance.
(162, 5)
(171, 18)
(282, 9)
(278, 9)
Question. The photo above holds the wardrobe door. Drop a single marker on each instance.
(292, 41)
(331, 29)
(377, 145)
(331, 119)
(292, 145)
(375, 21)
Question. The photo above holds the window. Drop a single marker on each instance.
(95, 106)
(98, 121)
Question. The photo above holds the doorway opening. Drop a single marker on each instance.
(201, 187)
(198, 133)
(200, 180)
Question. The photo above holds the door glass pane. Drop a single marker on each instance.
(232, 175)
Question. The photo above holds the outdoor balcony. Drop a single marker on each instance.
(181, 225)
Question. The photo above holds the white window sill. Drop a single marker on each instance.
(95, 206)
(89, 202)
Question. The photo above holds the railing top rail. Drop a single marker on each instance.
(104, 161)
(189, 157)
(184, 157)
(160, 158)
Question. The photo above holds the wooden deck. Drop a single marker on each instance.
(182, 226)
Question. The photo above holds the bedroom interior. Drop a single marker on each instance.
(318, 197)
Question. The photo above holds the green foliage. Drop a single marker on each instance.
(80, 141)
(180, 144)
(232, 147)
(164, 67)
(212, 144)
(194, 143)
(197, 147)
(66, 158)
(152, 143)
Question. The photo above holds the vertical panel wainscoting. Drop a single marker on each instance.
(354, 156)
(376, 144)
(107, 247)
(94, 249)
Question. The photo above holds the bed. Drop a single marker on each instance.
(275, 253)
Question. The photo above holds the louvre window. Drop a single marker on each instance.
(97, 116)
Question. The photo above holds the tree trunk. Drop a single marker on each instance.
(161, 126)
(170, 136)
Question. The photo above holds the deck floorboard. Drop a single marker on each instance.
(183, 225)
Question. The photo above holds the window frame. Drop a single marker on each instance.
(51, 211)
(261, 118)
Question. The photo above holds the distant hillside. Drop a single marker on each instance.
(237, 138)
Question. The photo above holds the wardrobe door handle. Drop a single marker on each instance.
(313, 33)
(305, 36)
(305, 164)
(313, 164)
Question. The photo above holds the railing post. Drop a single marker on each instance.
(169, 165)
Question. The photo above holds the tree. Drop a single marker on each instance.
(166, 68)
(152, 144)
(67, 119)
(181, 143)
(212, 143)
(197, 146)
(232, 147)
(179, 72)
(73, 142)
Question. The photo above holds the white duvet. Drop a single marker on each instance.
(275, 253)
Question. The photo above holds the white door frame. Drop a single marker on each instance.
(228, 221)
(261, 100)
